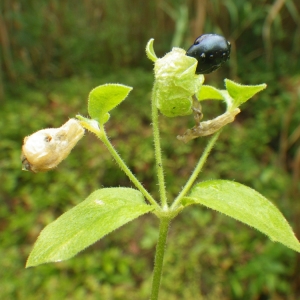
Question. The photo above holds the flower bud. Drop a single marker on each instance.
(45, 149)
(176, 83)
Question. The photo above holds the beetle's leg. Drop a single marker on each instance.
(197, 109)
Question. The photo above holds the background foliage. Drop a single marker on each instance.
(54, 52)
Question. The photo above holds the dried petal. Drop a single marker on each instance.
(209, 127)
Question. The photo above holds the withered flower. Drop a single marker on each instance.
(45, 149)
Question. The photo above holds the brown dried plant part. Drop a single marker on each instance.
(209, 127)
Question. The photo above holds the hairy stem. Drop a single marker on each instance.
(158, 156)
(159, 257)
(124, 167)
(197, 170)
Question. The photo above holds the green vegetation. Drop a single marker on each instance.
(217, 258)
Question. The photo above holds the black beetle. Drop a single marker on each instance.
(211, 50)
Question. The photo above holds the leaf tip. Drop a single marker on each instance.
(29, 263)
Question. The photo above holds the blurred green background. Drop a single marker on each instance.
(54, 52)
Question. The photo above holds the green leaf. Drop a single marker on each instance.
(241, 93)
(150, 51)
(104, 98)
(89, 124)
(234, 96)
(246, 205)
(209, 92)
(102, 212)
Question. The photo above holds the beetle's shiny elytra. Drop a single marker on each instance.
(211, 50)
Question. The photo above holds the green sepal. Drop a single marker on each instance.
(150, 51)
(209, 92)
(89, 124)
(104, 98)
(235, 95)
(241, 93)
(176, 83)
(246, 205)
(102, 212)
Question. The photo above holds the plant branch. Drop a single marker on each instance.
(159, 257)
(124, 167)
(158, 156)
(197, 170)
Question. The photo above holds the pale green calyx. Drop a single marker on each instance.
(176, 83)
